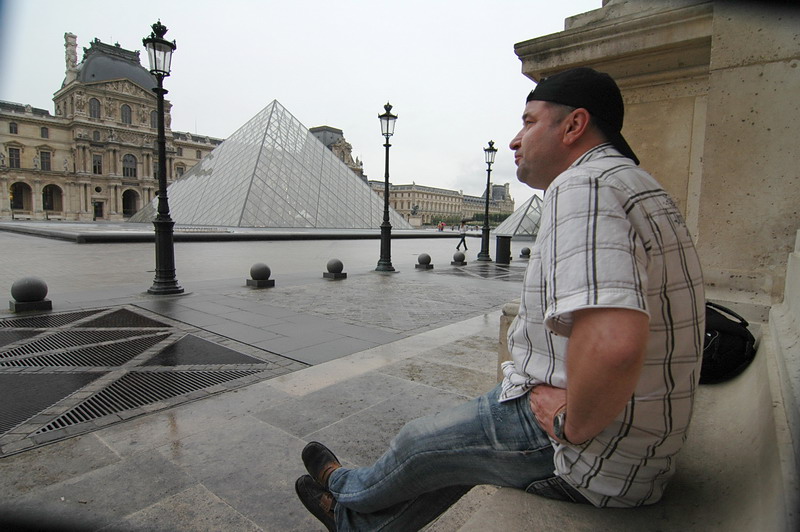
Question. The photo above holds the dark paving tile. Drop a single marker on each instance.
(241, 332)
(303, 415)
(248, 317)
(192, 317)
(330, 350)
(100, 497)
(368, 334)
(292, 339)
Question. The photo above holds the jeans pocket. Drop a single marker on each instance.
(556, 488)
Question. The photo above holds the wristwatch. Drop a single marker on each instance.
(560, 424)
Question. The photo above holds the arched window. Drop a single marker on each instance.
(94, 108)
(154, 120)
(12, 128)
(130, 203)
(52, 198)
(125, 114)
(129, 166)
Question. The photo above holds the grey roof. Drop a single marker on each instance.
(103, 62)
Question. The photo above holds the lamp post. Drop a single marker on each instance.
(484, 253)
(159, 51)
(387, 129)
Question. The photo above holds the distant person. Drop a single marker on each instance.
(606, 348)
(463, 232)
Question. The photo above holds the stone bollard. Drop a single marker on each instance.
(424, 262)
(335, 268)
(29, 294)
(459, 259)
(525, 253)
(260, 273)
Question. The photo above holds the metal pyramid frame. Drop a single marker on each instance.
(524, 222)
(272, 172)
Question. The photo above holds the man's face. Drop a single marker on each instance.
(538, 151)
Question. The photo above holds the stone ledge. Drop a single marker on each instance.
(735, 472)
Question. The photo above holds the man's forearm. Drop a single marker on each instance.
(605, 354)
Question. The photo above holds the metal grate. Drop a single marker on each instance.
(99, 355)
(9, 337)
(137, 389)
(46, 320)
(66, 339)
(25, 395)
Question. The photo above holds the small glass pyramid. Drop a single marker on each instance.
(272, 172)
(524, 222)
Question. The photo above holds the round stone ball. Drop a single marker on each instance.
(424, 259)
(260, 271)
(335, 266)
(526, 251)
(459, 256)
(28, 290)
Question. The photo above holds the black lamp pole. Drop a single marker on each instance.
(159, 51)
(484, 253)
(387, 129)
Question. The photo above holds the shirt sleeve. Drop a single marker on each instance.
(591, 254)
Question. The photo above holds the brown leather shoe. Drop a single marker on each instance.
(317, 500)
(320, 462)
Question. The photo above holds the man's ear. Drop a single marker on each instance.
(577, 124)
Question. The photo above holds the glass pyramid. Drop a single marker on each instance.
(524, 222)
(273, 172)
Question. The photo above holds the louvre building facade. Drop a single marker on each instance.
(95, 157)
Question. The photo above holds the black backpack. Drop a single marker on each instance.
(728, 348)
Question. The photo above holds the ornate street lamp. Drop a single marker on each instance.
(159, 51)
(490, 153)
(387, 130)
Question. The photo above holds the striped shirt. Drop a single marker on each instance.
(610, 236)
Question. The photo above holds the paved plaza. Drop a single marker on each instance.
(346, 362)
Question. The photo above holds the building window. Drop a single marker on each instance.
(94, 108)
(97, 163)
(13, 158)
(179, 170)
(198, 154)
(12, 128)
(129, 166)
(125, 114)
(155, 168)
(96, 136)
(180, 151)
(154, 120)
(45, 160)
(45, 133)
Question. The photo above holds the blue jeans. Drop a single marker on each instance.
(435, 460)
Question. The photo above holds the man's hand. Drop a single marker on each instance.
(546, 401)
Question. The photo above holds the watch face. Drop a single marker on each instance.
(558, 425)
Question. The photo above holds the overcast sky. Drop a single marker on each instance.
(447, 66)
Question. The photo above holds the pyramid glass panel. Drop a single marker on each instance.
(272, 172)
(524, 222)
